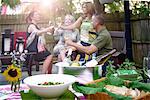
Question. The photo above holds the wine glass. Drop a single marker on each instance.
(58, 21)
(146, 65)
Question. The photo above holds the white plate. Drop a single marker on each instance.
(65, 64)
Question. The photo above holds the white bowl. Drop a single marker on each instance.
(50, 91)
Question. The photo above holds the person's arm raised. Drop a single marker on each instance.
(76, 24)
(32, 28)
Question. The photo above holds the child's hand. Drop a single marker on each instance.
(51, 29)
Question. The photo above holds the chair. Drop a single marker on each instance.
(7, 45)
(104, 58)
(18, 35)
(119, 43)
(23, 36)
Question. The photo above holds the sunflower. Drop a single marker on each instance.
(12, 73)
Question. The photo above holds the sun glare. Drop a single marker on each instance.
(46, 3)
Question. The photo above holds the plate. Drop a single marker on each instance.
(67, 65)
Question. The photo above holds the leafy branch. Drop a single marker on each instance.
(127, 65)
(11, 3)
(141, 9)
(110, 69)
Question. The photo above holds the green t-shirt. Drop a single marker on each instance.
(103, 41)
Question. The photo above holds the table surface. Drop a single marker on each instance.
(6, 93)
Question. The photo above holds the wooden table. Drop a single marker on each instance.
(29, 64)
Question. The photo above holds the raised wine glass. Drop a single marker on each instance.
(146, 65)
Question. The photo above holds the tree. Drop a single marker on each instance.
(98, 7)
(11, 3)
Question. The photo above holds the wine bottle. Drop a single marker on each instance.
(76, 61)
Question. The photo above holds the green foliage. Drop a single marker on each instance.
(127, 65)
(63, 7)
(131, 65)
(110, 69)
(68, 95)
(92, 89)
(116, 6)
(111, 80)
(141, 9)
(143, 73)
(11, 3)
(60, 8)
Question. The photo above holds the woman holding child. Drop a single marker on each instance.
(84, 23)
(61, 48)
(33, 33)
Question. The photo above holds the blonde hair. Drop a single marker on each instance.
(90, 7)
(69, 17)
(29, 17)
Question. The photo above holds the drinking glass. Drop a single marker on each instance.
(146, 65)
(58, 21)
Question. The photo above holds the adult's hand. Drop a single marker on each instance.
(83, 16)
(68, 42)
(61, 27)
(71, 47)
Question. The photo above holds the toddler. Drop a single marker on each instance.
(61, 48)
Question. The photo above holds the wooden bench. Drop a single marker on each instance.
(119, 43)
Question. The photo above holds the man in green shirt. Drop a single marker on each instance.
(101, 44)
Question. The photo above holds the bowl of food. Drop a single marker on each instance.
(49, 85)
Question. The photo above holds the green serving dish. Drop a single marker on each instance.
(127, 74)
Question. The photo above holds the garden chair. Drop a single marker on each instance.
(32, 62)
(18, 35)
(119, 43)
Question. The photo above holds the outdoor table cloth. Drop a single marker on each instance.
(7, 94)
